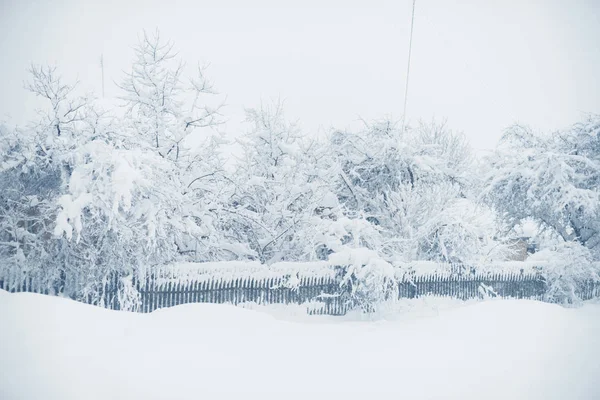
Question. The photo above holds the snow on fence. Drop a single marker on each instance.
(318, 290)
(318, 293)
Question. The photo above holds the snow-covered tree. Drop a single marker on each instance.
(551, 179)
(281, 199)
(84, 198)
(416, 186)
(164, 106)
(26, 202)
(36, 163)
(178, 117)
(568, 268)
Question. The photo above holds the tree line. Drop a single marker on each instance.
(87, 191)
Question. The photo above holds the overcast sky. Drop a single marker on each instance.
(482, 65)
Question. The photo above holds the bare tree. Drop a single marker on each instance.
(164, 106)
(66, 109)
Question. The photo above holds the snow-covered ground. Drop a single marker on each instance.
(53, 348)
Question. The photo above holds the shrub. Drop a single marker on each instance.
(366, 281)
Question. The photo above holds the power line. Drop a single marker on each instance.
(102, 67)
(412, 23)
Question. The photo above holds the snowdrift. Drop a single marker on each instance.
(54, 348)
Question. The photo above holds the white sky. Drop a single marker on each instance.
(482, 65)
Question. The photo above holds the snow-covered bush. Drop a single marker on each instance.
(177, 117)
(35, 163)
(568, 268)
(553, 180)
(87, 196)
(366, 281)
(128, 296)
(417, 188)
(281, 202)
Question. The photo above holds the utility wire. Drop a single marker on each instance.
(102, 67)
(412, 23)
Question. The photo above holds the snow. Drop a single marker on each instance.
(425, 268)
(53, 348)
(232, 270)
(329, 200)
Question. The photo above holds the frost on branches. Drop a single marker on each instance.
(415, 187)
(281, 200)
(366, 280)
(176, 117)
(163, 105)
(552, 179)
(568, 268)
(88, 194)
(36, 163)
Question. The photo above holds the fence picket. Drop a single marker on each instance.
(192, 289)
(211, 291)
(232, 289)
(166, 294)
(158, 287)
(226, 291)
(214, 293)
(161, 295)
(263, 290)
(256, 290)
(220, 292)
(152, 288)
(182, 295)
(176, 290)
(187, 292)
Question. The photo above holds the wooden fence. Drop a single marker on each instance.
(321, 291)
(321, 295)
